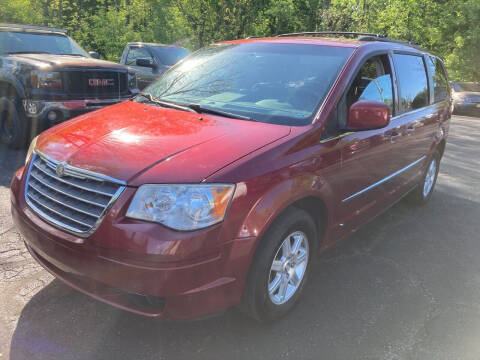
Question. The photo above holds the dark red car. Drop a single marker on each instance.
(220, 184)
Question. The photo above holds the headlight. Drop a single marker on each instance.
(182, 207)
(132, 80)
(46, 79)
(30, 149)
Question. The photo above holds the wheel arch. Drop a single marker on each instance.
(8, 87)
(9, 81)
(441, 147)
(317, 209)
(281, 198)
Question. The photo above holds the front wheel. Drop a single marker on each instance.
(13, 125)
(423, 192)
(280, 266)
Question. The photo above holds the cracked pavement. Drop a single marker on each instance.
(406, 286)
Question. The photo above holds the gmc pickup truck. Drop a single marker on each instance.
(150, 61)
(46, 78)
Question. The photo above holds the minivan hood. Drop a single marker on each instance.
(64, 61)
(140, 143)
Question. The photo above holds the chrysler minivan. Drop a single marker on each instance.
(221, 182)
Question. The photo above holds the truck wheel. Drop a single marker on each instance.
(13, 124)
(280, 266)
(423, 192)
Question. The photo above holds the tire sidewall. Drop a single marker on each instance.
(12, 106)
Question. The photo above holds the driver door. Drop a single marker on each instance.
(369, 158)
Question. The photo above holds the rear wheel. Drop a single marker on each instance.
(13, 125)
(423, 192)
(280, 266)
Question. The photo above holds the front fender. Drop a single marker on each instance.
(8, 74)
(276, 199)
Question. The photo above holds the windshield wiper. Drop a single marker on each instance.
(166, 104)
(206, 110)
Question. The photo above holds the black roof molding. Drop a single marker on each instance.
(342, 33)
(32, 28)
(386, 39)
(360, 36)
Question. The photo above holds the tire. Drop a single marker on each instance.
(423, 192)
(13, 124)
(298, 228)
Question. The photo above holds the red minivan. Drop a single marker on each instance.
(221, 182)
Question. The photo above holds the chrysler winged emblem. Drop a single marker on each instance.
(60, 169)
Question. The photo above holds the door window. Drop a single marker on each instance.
(373, 82)
(439, 79)
(138, 53)
(413, 82)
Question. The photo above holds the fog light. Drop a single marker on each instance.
(52, 115)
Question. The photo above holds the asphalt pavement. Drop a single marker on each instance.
(406, 286)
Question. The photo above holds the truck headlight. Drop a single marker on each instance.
(46, 80)
(132, 81)
(182, 207)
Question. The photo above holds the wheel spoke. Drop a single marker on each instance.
(294, 278)
(283, 286)
(296, 243)
(301, 257)
(286, 247)
(273, 286)
(277, 265)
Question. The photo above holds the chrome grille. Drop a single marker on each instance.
(75, 201)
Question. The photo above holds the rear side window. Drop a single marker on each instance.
(413, 82)
(439, 79)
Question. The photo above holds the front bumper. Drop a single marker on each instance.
(52, 112)
(140, 267)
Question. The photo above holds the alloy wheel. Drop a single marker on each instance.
(288, 267)
(430, 178)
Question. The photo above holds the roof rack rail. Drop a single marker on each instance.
(22, 27)
(253, 37)
(343, 33)
(386, 39)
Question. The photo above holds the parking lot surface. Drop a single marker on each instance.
(406, 286)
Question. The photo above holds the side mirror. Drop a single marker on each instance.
(145, 63)
(367, 115)
(94, 54)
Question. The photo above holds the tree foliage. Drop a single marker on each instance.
(451, 28)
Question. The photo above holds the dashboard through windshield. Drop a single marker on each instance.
(266, 82)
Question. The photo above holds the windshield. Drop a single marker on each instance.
(170, 55)
(470, 87)
(274, 83)
(21, 42)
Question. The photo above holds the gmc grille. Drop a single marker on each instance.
(96, 84)
(75, 201)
